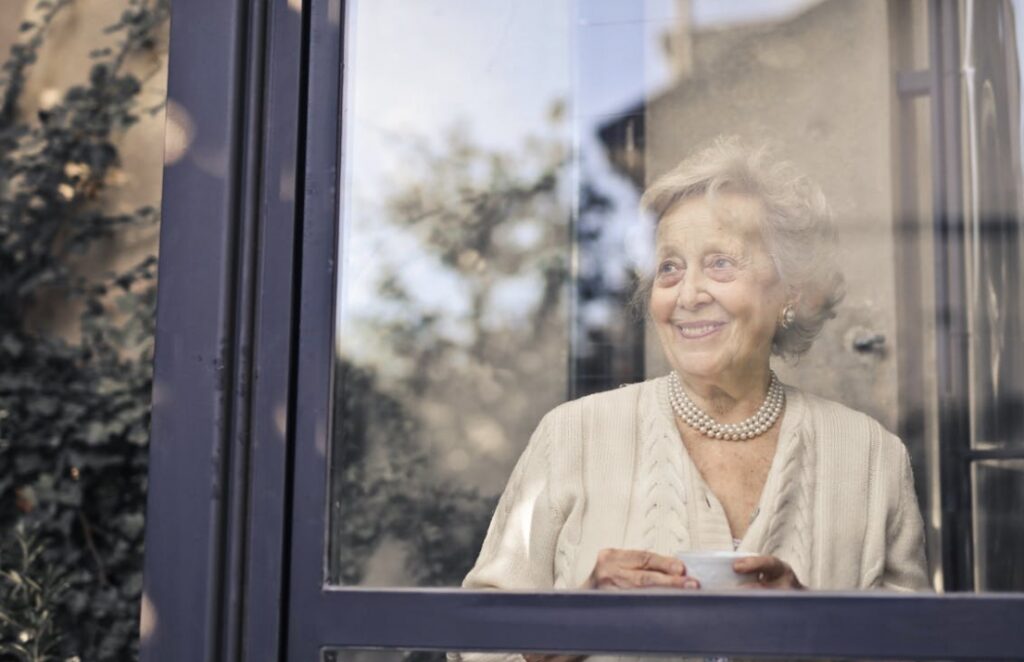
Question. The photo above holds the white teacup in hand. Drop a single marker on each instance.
(714, 569)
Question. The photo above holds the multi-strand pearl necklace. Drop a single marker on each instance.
(754, 426)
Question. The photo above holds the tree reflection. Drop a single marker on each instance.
(435, 395)
(385, 487)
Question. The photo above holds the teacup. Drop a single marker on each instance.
(714, 569)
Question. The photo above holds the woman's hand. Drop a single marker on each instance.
(631, 568)
(624, 569)
(768, 572)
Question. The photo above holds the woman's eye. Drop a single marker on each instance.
(722, 269)
(668, 270)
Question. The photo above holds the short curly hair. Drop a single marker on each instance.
(797, 227)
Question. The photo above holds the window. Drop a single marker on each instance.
(465, 241)
(491, 237)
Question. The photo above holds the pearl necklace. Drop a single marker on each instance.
(754, 426)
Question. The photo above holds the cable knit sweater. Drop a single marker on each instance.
(610, 470)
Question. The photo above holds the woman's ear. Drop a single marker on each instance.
(793, 298)
(788, 311)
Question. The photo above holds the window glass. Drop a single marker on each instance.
(454, 304)
(999, 537)
(354, 655)
(494, 262)
(993, 241)
(993, 237)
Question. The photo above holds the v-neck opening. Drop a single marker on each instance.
(784, 447)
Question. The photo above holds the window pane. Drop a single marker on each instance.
(453, 331)
(994, 233)
(999, 529)
(351, 655)
(494, 158)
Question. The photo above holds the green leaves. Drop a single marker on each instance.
(74, 415)
(31, 591)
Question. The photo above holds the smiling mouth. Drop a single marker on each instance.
(695, 330)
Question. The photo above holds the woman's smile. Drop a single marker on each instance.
(699, 329)
(716, 296)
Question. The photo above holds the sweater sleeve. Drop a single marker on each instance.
(906, 568)
(519, 550)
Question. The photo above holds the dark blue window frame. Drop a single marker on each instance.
(237, 514)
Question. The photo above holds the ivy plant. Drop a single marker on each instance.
(74, 414)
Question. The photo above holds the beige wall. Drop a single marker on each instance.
(11, 13)
(821, 85)
(64, 61)
(817, 84)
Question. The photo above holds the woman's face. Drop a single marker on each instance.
(716, 297)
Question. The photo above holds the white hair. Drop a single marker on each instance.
(797, 227)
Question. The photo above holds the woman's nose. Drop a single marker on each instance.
(691, 293)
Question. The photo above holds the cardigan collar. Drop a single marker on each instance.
(782, 494)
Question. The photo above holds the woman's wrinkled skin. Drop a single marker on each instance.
(715, 303)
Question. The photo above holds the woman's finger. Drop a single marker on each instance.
(626, 568)
(666, 564)
(769, 566)
(759, 583)
(651, 579)
(773, 569)
(643, 560)
(768, 571)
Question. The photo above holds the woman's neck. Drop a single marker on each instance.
(728, 400)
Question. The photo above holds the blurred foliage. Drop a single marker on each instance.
(74, 416)
(480, 220)
(386, 489)
(415, 377)
(485, 219)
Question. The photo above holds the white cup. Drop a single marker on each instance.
(714, 569)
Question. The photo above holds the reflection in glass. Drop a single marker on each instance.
(994, 116)
(995, 242)
(490, 231)
(452, 302)
(999, 528)
(494, 154)
(482, 272)
(356, 655)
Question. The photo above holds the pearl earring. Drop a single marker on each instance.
(788, 316)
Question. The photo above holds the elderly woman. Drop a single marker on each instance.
(718, 454)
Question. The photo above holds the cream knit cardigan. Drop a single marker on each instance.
(609, 470)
